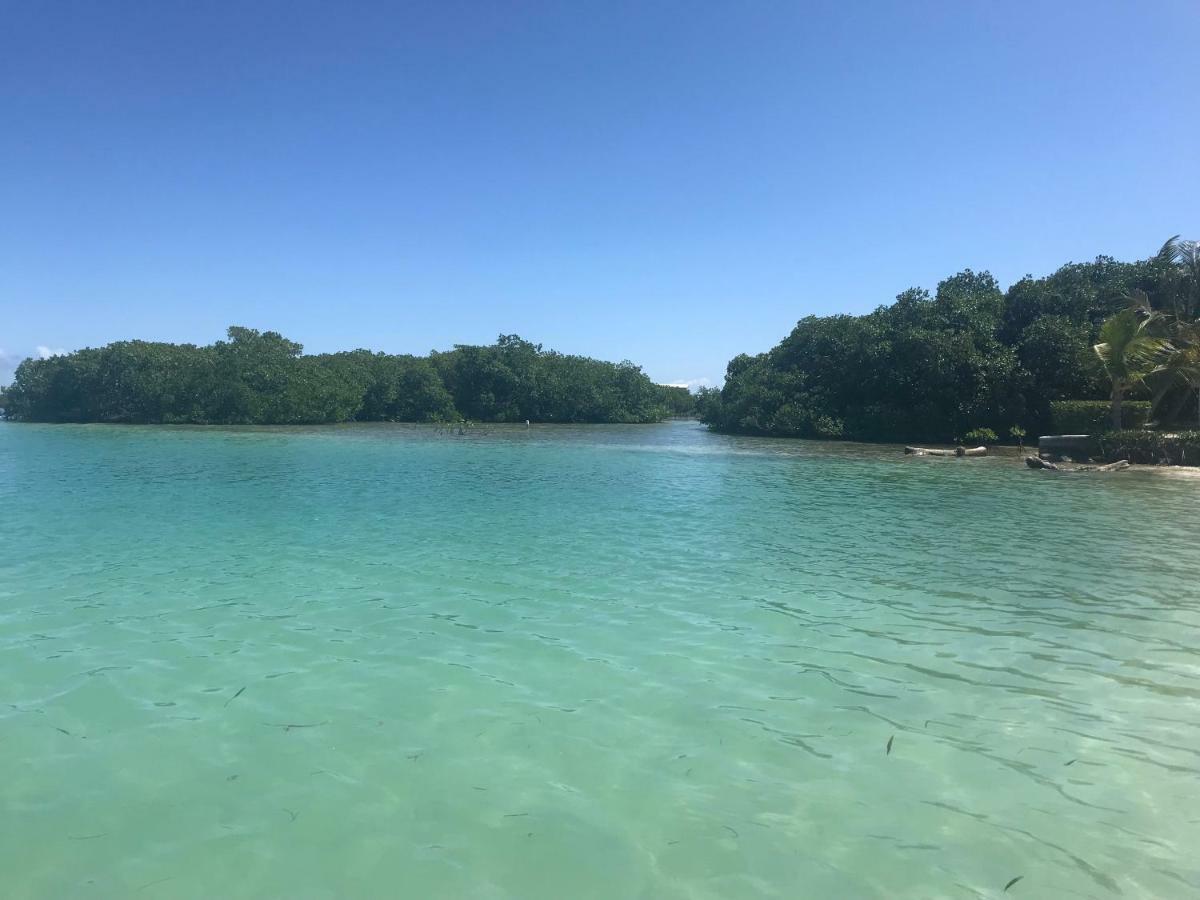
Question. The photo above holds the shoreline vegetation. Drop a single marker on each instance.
(1110, 344)
(262, 378)
(1108, 349)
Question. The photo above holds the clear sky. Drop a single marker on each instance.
(672, 183)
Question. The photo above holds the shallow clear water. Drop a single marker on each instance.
(588, 662)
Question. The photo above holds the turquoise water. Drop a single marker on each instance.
(599, 662)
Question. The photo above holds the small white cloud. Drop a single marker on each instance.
(692, 383)
(10, 361)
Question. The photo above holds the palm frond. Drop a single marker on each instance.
(1139, 300)
(1169, 250)
(1188, 254)
(1128, 349)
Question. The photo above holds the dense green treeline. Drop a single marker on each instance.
(969, 357)
(262, 378)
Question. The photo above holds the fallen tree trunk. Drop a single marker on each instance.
(957, 451)
(1111, 467)
(1036, 462)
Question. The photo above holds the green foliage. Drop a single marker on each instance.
(927, 368)
(1017, 433)
(924, 368)
(262, 378)
(1151, 447)
(1093, 416)
(679, 401)
(1180, 377)
(981, 436)
(1177, 267)
(1080, 293)
(1132, 348)
(1057, 354)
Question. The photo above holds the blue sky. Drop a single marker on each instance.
(672, 183)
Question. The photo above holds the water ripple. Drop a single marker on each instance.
(588, 662)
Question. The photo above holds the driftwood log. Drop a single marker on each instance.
(1035, 462)
(957, 451)
(1111, 467)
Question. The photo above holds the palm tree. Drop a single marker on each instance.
(1183, 365)
(1130, 351)
(1180, 280)
(1179, 291)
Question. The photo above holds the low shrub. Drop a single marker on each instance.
(980, 436)
(1180, 448)
(1093, 416)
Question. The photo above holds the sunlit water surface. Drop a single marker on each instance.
(609, 662)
